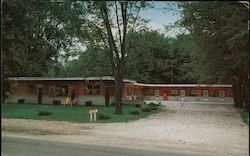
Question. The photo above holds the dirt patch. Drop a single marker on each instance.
(38, 127)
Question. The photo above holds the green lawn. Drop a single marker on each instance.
(74, 114)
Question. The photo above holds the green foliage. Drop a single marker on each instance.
(88, 103)
(152, 106)
(220, 55)
(20, 100)
(151, 56)
(103, 116)
(134, 112)
(43, 113)
(35, 33)
(221, 44)
(145, 108)
(93, 62)
(56, 102)
(137, 105)
(244, 115)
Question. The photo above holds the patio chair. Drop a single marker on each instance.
(67, 101)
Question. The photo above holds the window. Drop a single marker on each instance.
(157, 92)
(97, 89)
(88, 89)
(173, 92)
(93, 89)
(205, 93)
(150, 92)
(194, 92)
(221, 93)
(61, 90)
(31, 90)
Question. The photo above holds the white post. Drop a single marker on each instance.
(90, 117)
(94, 116)
(91, 113)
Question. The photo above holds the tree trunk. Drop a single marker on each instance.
(119, 88)
(237, 92)
(245, 92)
(236, 95)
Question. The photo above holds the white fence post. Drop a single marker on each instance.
(91, 113)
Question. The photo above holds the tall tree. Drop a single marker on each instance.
(34, 33)
(155, 58)
(111, 22)
(220, 33)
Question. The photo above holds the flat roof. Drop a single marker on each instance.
(65, 78)
(111, 78)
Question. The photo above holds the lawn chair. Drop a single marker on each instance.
(67, 101)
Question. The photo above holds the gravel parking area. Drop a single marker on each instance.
(213, 129)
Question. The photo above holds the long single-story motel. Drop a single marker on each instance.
(101, 89)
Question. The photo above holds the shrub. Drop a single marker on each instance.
(135, 112)
(88, 103)
(103, 117)
(112, 104)
(145, 108)
(137, 105)
(56, 102)
(43, 113)
(152, 106)
(20, 100)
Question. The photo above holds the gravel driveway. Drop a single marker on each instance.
(209, 128)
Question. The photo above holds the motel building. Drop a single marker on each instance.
(101, 90)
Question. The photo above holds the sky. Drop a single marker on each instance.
(159, 16)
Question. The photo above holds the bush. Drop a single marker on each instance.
(137, 105)
(56, 102)
(103, 117)
(135, 112)
(43, 113)
(88, 103)
(20, 100)
(145, 108)
(152, 106)
(112, 104)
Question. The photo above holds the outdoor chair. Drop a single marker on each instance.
(67, 101)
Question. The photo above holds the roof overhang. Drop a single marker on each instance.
(66, 79)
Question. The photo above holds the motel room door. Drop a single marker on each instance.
(182, 94)
(165, 96)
